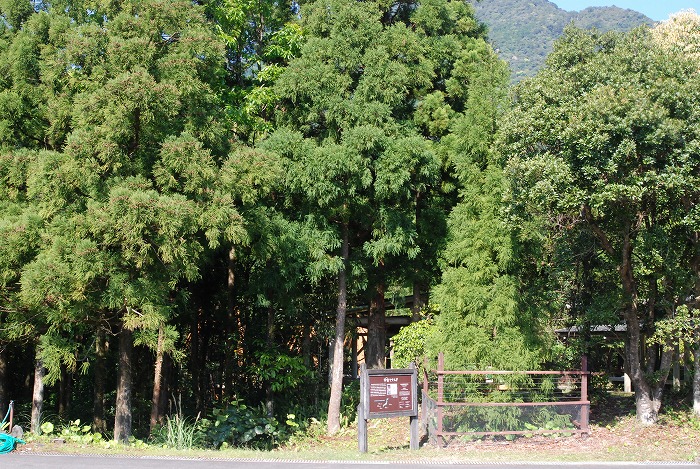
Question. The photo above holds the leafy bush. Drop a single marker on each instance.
(241, 425)
(282, 371)
(409, 343)
(72, 431)
(350, 399)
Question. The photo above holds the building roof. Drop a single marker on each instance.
(575, 330)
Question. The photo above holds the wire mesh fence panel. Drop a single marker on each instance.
(512, 419)
(463, 405)
(514, 387)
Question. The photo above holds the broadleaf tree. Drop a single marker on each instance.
(604, 141)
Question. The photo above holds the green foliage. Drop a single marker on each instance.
(282, 371)
(349, 402)
(129, 195)
(480, 298)
(78, 433)
(47, 428)
(409, 343)
(681, 328)
(179, 432)
(240, 425)
(72, 431)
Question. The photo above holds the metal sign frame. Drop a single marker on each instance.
(399, 391)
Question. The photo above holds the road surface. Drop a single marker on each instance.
(35, 461)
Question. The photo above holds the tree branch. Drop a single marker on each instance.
(597, 231)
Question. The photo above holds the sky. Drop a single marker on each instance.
(657, 10)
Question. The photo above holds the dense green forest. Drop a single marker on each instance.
(197, 199)
(524, 31)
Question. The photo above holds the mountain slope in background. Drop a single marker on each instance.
(524, 30)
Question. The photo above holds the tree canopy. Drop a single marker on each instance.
(603, 146)
(197, 198)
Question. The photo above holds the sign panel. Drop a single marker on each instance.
(389, 393)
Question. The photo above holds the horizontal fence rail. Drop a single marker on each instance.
(472, 404)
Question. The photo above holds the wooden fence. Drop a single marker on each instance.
(474, 404)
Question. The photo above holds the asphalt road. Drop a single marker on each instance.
(33, 461)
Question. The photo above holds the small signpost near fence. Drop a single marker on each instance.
(387, 394)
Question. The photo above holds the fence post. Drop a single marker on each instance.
(362, 409)
(423, 403)
(585, 405)
(440, 391)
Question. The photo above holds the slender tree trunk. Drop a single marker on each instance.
(644, 396)
(306, 345)
(122, 416)
(65, 387)
(156, 416)
(417, 301)
(696, 377)
(230, 328)
(205, 379)
(695, 264)
(98, 405)
(4, 394)
(647, 396)
(37, 396)
(339, 339)
(269, 395)
(165, 384)
(376, 327)
(195, 361)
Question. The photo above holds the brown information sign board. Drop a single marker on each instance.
(393, 393)
(390, 393)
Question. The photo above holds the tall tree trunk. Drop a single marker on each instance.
(647, 411)
(375, 354)
(695, 264)
(647, 396)
(205, 378)
(122, 416)
(156, 416)
(98, 405)
(195, 361)
(417, 299)
(339, 339)
(227, 384)
(696, 376)
(269, 395)
(165, 384)
(306, 345)
(4, 393)
(37, 396)
(65, 387)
